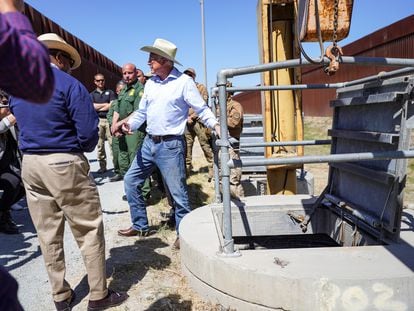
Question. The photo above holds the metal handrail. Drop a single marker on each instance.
(288, 143)
(331, 158)
(221, 90)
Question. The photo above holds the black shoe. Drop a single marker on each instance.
(66, 305)
(124, 198)
(7, 225)
(116, 178)
(102, 170)
(8, 228)
(149, 200)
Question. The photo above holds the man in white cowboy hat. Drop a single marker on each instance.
(164, 105)
(55, 172)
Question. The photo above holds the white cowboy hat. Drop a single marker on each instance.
(54, 42)
(162, 48)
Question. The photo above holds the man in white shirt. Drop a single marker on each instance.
(164, 105)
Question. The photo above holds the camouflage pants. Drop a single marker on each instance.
(199, 130)
(236, 188)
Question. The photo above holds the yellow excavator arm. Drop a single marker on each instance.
(283, 25)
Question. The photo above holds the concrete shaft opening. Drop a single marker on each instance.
(288, 255)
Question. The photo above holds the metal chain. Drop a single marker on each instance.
(335, 23)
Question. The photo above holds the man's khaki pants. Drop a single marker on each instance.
(59, 189)
(104, 134)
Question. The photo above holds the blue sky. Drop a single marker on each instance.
(119, 29)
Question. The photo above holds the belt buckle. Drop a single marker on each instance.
(156, 139)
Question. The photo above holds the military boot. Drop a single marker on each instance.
(210, 173)
(189, 170)
(102, 167)
(7, 225)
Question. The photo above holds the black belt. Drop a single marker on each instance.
(157, 138)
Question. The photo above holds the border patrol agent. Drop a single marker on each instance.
(128, 102)
(115, 140)
(196, 128)
(235, 126)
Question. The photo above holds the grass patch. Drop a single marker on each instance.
(316, 128)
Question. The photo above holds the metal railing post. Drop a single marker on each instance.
(217, 193)
(228, 242)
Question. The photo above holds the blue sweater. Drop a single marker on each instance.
(67, 123)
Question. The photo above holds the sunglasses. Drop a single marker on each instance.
(100, 80)
(155, 57)
(67, 56)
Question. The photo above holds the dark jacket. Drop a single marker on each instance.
(67, 123)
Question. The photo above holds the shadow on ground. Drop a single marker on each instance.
(196, 195)
(127, 265)
(15, 250)
(171, 302)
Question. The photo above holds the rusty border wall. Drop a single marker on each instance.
(92, 60)
(395, 40)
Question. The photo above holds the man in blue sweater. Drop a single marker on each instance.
(55, 172)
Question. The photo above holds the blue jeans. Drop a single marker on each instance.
(168, 155)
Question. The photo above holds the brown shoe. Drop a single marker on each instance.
(111, 300)
(176, 245)
(132, 232)
(65, 305)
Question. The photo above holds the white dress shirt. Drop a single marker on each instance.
(165, 105)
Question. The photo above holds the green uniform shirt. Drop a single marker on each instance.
(128, 99)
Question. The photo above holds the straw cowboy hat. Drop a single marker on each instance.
(54, 42)
(162, 48)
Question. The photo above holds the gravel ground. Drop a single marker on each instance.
(148, 269)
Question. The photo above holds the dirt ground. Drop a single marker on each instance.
(147, 268)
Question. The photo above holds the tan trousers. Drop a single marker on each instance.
(104, 133)
(59, 189)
